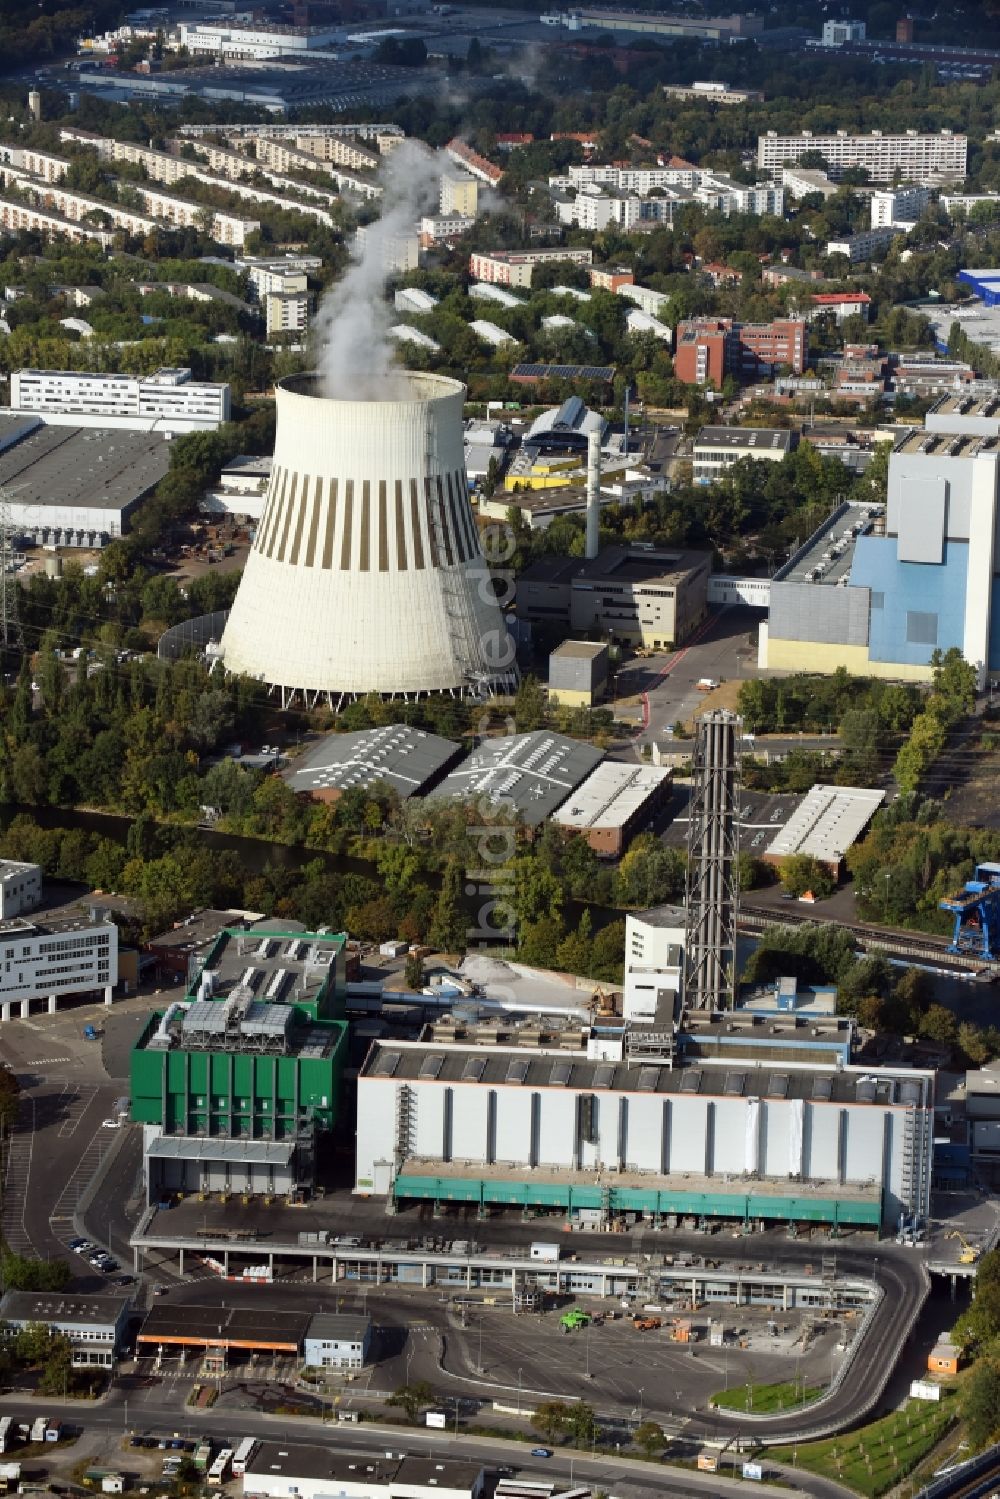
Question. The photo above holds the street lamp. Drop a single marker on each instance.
(519, 1392)
(642, 1392)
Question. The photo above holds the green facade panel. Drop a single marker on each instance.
(638, 1200)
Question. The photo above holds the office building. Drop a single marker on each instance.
(614, 803)
(645, 596)
(20, 888)
(754, 1133)
(713, 93)
(654, 964)
(515, 267)
(578, 673)
(337, 1340)
(237, 1082)
(167, 400)
(94, 1323)
(836, 33)
(917, 158)
(898, 205)
(718, 448)
(68, 952)
(709, 349)
(229, 39)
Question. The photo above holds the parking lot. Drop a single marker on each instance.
(720, 650)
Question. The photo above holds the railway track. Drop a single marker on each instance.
(976, 1479)
(872, 939)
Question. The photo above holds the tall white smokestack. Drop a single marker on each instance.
(593, 492)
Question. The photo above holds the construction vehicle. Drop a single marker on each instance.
(968, 1254)
(573, 1319)
(646, 1324)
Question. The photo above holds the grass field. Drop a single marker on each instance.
(766, 1397)
(875, 1458)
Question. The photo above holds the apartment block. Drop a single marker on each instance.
(464, 156)
(708, 349)
(15, 215)
(286, 312)
(920, 158)
(898, 205)
(48, 958)
(41, 164)
(459, 194)
(515, 267)
(865, 245)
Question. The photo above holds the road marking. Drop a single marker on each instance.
(77, 1110)
(49, 1061)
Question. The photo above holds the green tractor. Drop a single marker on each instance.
(573, 1319)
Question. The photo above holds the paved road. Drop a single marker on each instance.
(611, 1474)
(720, 650)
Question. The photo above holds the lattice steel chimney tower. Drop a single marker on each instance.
(712, 884)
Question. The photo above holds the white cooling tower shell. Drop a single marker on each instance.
(366, 573)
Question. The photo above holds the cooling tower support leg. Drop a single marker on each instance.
(712, 882)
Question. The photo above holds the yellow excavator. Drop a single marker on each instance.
(968, 1254)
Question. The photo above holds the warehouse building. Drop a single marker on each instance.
(409, 760)
(578, 673)
(236, 1082)
(277, 1471)
(527, 775)
(827, 821)
(748, 1138)
(76, 487)
(94, 1325)
(613, 804)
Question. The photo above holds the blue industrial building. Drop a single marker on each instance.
(985, 284)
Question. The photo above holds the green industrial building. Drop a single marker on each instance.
(237, 1082)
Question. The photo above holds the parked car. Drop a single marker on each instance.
(80, 1245)
(541, 1452)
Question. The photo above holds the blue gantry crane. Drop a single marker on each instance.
(976, 909)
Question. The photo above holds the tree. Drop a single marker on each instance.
(801, 873)
(529, 706)
(981, 1403)
(412, 1398)
(450, 927)
(414, 974)
(650, 1438)
(58, 1366)
(551, 1418)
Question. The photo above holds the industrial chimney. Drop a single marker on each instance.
(593, 492)
(366, 573)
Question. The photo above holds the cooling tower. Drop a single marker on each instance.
(366, 573)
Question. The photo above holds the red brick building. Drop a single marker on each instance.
(708, 349)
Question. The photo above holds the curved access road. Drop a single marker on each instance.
(904, 1284)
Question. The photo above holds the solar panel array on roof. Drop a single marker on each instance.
(823, 1088)
(517, 1070)
(387, 1064)
(474, 1069)
(431, 1066)
(604, 1075)
(691, 1080)
(605, 372)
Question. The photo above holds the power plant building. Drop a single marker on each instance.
(236, 1082)
(366, 573)
(742, 1139)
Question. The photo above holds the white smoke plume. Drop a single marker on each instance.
(356, 356)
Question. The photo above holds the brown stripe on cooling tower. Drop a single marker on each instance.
(431, 528)
(300, 519)
(331, 526)
(310, 557)
(366, 521)
(270, 521)
(345, 545)
(400, 529)
(383, 528)
(287, 519)
(445, 528)
(418, 540)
